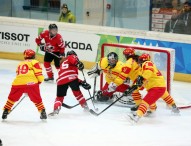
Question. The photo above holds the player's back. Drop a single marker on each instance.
(131, 69)
(27, 71)
(68, 70)
(153, 76)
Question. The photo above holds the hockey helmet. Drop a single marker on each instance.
(53, 29)
(112, 58)
(129, 52)
(52, 26)
(144, 57)
(71, 52)
(29, 54)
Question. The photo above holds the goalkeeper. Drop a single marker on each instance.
(112, 68)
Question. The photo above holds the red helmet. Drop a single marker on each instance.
(29, 54)
(129, 51)
(144, 57)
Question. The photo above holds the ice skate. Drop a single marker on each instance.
(175, 109)
(133, 118)
(85, 107)
(55, 112)
(43, 115)
(5, 113)
(48, 79)
(134, 109)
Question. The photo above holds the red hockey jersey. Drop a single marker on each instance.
(55, 44)
(68, 70)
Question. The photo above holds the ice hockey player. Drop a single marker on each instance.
(54, 44)
(29, 77)
(112, 68)
(153, 81)
(68, 77)
(131, 70)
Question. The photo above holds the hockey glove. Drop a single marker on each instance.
(140, 81)
(85, 85)
(80, 65)
(62, 55)
(133, 88)
(42, 47)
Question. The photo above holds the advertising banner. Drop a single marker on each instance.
(17, 38)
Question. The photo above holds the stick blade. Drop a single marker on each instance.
(93, 113)
(66, 106)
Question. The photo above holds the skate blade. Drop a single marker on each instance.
(130, 120)
(175, 114)
(52, 114)
(44, 120)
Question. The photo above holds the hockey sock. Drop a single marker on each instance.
(9, 104)
(137, 97)
(48, 68)
(58, 102)
(168, 99)
(153, 107)
(79, 97)
(40, 106)
(142, 109)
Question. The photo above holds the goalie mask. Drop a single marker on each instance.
(112, 58)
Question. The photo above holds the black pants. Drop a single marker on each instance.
(49, 58)
(62, 89)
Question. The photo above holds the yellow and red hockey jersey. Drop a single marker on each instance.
(131, 69)
(112, 74)
(29, 72)
(152, 76)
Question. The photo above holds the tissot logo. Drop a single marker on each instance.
(14, 36)
(78, 45)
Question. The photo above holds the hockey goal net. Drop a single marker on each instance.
(164, 58)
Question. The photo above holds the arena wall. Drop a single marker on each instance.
(17, 34)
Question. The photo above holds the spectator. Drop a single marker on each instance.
(175, 25)
(66, 15)
(186, 17)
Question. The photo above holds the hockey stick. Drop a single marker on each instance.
(89, 92)
(127, 93)
(70, 107)
(17, 104)
(54, 54)
(94, 89)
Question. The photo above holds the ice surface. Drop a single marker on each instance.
(74, 127)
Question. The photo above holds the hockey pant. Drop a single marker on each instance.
(62, 91)
(33, 92)
(48, 58)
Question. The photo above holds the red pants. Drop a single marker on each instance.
(33, 92)
(120, 88)
(154, 94)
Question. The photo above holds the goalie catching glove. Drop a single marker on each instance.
(95, 71)
(85, 85)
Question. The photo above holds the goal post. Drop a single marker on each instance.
(164, 58)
